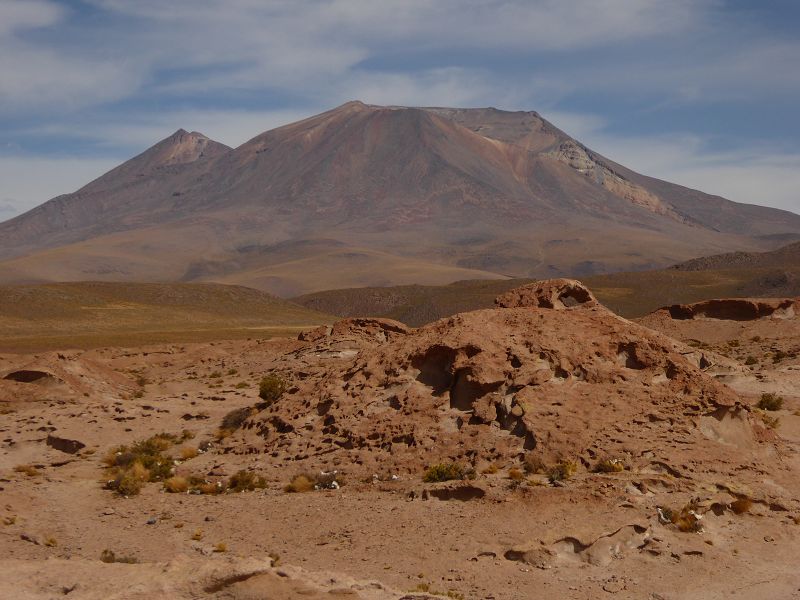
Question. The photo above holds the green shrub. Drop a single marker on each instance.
(750, 360)
(143, 461)
(271, 388)
(444, 472)
(770, 402)
(246, 481)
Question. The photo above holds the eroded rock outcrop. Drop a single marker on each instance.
(735, 309)
(557, 294)
(538, 375)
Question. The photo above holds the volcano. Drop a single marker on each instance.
(372, 195)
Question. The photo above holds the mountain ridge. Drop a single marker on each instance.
(458, 193)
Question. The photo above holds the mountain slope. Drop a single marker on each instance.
(366, 195)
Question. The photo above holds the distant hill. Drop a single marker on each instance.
(90, 314)
(631, 294)
(785, 256)
(372, 196)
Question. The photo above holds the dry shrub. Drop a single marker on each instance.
(533, 464)
(29, 470)
(300, 484)
(221, 547)
(770, 402)
(768, 420)
(189, 452)
(741, 505)
(176, 485)
(211, 488)
(444, 472)
(686, 519)
(197, 535)
(562, 471)
(235, 418)
(141, 462)
(108, 556)
(246, 481)
(610, 465)
(515, 474)
(491, 469)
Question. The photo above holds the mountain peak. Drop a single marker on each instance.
(182, 147)
(409, 194)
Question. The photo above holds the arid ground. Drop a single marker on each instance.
(591, 456)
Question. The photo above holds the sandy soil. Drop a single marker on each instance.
(391, 536)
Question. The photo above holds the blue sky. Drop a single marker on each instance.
(699, 92)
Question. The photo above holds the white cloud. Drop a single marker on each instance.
(549, 24)
(27, 14)
(34, 77)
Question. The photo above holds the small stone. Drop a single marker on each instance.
(108, 511)
(152, 521)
